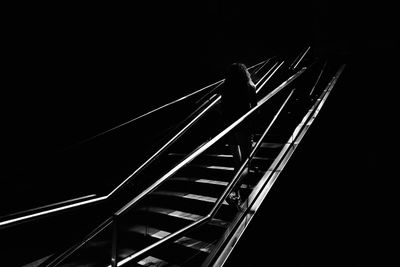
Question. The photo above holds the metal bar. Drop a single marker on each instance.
(48, 212)
(270, 177)
(24, 218)
(266, 74)
(301, 58)
(49, 206)
(263, 65)
(269, 77)
(218, 83)
(165, 146)
(217, 204)
(186, 160)
(207, 145)
(194, 155)
(147, 114)
(54, 261)
(114, 260)
(319, 76)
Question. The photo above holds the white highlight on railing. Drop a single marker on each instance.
(263, 187)
(301, 58)
(269, 77)
(91, 201)
(46, 212)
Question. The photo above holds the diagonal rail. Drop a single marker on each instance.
(51, 209)
(188, 159)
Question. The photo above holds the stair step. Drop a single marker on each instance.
(189, 203)
(171, 220)
(204, 187)
(220, 159)
(153, 261)
(217, 173)
(188, 196)
(183, 215)
(207, 181)
(159, 234)
(177, 252)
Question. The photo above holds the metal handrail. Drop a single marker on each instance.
(231, 185)
(282, 158)
(21, 219)
(217, 84)
(28, 217)
(202, 148)
(299, 58)
(319, 76)
(235, 180)
(270, 73)
(210, 142)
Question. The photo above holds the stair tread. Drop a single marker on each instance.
(207, 181)
(212, 167)
(153, 261)
(187, 195)
(183, 215)
(183, 241)
(216, 155)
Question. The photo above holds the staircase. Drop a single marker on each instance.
(182, 218)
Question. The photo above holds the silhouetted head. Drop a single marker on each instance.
(237, 73)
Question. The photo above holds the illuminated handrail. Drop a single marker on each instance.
(189, 158)
(26, 214)
(319, 76)
(217, 84)
(307, 120)
(207, 107)
(299, 58)
(95, 200)
(276, 167)
(173, 236)
(210, 143)
(270, 73)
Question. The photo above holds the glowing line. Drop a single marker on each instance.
(51, 211)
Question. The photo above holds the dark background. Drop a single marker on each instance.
(73, 70)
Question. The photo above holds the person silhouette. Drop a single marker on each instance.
(237, 97)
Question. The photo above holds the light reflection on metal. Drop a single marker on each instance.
(165, 145)
(269, 77)
(46, 212)
(263, 187)
(319, 76)
(208, 144)
(188, 159)
(218, 83)
(301, 58)
(66, 207)
(259, 81)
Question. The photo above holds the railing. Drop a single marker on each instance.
(191, 157)
(266, 182)
(56, 208)
(299, 58)
(185, 161)
(215, 85)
